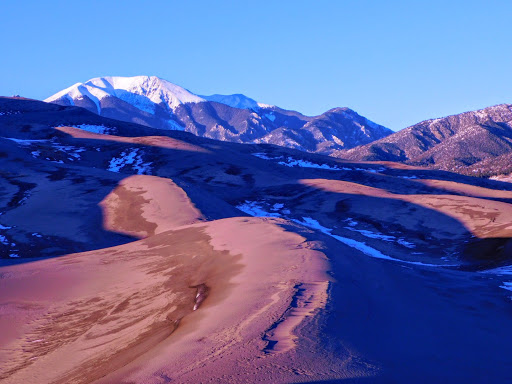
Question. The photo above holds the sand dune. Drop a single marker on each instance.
(484, 218)
(142, 206)
(88, 315)
(356, 271)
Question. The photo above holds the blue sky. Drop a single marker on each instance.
(395, 62)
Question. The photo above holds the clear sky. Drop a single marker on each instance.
(395, 62)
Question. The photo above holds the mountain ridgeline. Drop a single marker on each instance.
(475, 143)
(157, 103)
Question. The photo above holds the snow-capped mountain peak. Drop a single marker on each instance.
(143, 91)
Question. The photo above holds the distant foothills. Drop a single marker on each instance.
(475, 143)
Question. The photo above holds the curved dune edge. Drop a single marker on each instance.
(154, 141)
(143, 206)
(482, 217)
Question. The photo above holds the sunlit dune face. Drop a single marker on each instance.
(339, 186)
(482, 217)
(392, 165)
(472, 190)
(141, 206)
(152, 141)
(119, 303)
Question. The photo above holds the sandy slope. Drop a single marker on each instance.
(483, 217)
(87, 315)
(142, 206)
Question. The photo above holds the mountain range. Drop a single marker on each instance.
(477, 143)
(157, 103)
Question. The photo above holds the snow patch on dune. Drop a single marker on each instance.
(71, 151)
(508, 286)
(255, 208)
(502, 271)
(379, 236)
(293, 162)
(132, 159)
(7, 113)
(367, 250)
(24, 142)
(4, 240)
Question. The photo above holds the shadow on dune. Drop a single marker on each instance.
(59, 214)
(218, 172)
(361, 380)
(227, 172)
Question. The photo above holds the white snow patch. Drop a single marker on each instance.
(254, 208)
(69, 150)
(506, 270)
(312, 223)
(277, 207)
(507, 285)
(270, 116)
(133, 159)
(292, 162)
(24, 142)
(377, 235)
(367, 250)
(372, 235)
(237, 101)
(406, 243)
(265, 157)
(4, 240)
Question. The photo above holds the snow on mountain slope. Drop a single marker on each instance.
(151, 88)
(475, 143)
(157, 103)
(140, 90)
(237, 101)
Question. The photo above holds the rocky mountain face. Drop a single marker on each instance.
(477, 143)
(157, 103)
(334, 130)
